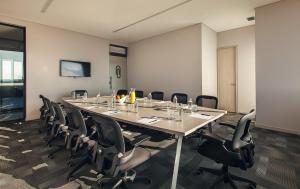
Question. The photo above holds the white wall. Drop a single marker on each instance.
(244, 39)
(209, 61)
(170, 62)
(45, 47)
(278, 65)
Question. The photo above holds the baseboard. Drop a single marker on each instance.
(264, 126)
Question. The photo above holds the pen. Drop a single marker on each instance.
(152, 121)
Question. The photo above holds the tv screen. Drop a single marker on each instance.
(69, 68)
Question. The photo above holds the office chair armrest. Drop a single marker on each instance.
(139, 140)
(135, 143)
(227, 125)
(61, 105)
(214, 138)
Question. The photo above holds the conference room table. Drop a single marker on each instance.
(153, 115)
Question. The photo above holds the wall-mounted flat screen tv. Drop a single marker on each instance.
(70, 68)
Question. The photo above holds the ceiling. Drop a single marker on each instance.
(102, 17)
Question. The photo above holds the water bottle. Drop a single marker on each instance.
(150, 97)
(175, 101)
(98, 98)
(190, 103)
(85, 96)
(136, 107)
(170, 111)
(113, 99)
(132, 96)
(180, 114)
(73, 95)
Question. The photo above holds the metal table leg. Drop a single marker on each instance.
(176, 164)
(210, 127)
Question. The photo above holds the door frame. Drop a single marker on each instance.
(24, 69)
(117, 55)
(236, 73)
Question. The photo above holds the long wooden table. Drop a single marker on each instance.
(189, 124)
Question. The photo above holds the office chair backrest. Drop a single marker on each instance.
(43, 100)
(78, 122)
(59, 114)
(157, 95)
(45, 103)
(51, 111)
(139, 94)
(110, 145)
(45, 108)
(79, 92)
(182, 98)
(207, 101)
(242, 136)
(109, 133)
(122, 92)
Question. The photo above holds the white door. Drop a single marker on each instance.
(117, 72)
(227, 78)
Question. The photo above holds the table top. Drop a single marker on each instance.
(190, 121)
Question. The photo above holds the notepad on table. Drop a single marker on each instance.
(201, 116)
(90, 107)
(159, 102)
(148, 120)
(109, 113)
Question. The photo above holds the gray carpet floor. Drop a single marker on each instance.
(24, 162)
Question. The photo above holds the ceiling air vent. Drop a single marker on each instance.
(251, 18)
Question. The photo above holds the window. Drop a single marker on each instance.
(7, 70)
(12, 73)
(18, 70)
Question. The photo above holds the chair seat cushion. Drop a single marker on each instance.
(139, 156)
(220, 153)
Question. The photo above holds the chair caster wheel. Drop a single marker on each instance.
(100, 185)
(70, 164)
(199, 172)
(149, 181)
(71, 178)
(50, 156)
(252, 186)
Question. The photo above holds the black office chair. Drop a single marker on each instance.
(207, 101)
(79, 92)
(49, 118)
(112, 160)
(122, 92)
(157, 95)
(78, 130)
(44, 110)
(57, 129)
(139, 94)
(80, 139)
(182, 98)
(237, 152)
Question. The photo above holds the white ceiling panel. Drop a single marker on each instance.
(102, 17)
